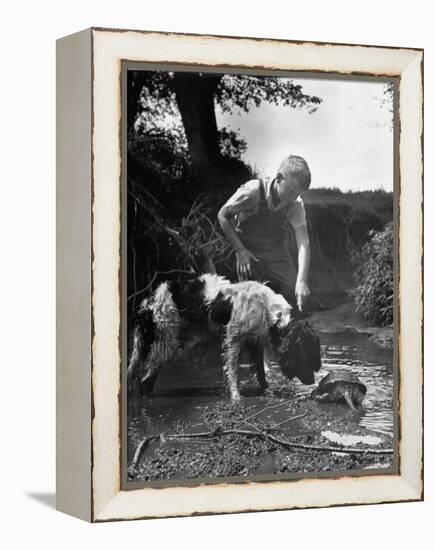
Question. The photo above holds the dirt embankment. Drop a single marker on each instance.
(339, 223)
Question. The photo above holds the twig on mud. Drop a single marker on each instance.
(254, 426)
(132, 469)
(287, 420)
(293, 444)
(207, 435)
(257, 413)
(283, 442)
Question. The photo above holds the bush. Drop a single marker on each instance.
(373, 294)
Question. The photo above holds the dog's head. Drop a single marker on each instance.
(297, 350)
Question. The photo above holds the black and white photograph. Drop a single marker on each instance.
(258, 275)
(217, 253)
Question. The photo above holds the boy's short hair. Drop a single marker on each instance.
(298, 168)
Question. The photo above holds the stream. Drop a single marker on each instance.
(185, 391)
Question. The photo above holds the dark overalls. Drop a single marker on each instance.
(264, 235)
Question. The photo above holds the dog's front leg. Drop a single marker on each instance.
(231, 352)
(161, 352)
(147, 382)
(144, 366)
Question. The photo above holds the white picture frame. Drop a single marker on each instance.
(88, 273)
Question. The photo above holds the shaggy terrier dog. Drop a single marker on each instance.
(244, 314)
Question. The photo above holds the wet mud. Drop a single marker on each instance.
(190, 398)
(305, 421)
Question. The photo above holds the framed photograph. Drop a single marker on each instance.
(239, 274)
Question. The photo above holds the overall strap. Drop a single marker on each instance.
(262, 197)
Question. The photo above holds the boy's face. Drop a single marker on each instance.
(288, 188)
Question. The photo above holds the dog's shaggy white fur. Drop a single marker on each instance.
(246, 313)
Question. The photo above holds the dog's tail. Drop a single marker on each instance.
(144, 334)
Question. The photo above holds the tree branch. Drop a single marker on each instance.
(219, 432)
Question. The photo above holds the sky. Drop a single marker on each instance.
(347, 142)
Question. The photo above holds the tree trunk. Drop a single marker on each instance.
(195, 98)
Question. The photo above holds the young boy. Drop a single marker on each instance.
(256, 220)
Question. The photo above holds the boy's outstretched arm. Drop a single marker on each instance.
(244, 256)
(302, 290)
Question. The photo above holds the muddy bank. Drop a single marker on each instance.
(305, 421)
(190, 398)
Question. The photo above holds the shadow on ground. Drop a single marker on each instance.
(47, 499)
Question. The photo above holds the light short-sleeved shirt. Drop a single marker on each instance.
(246, 200)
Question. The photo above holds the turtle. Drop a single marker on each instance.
(339, 387)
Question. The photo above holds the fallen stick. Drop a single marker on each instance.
(287, 420)
(257, 413)
(132, 468)
(293, 444)
(249, 433)
(283, 442)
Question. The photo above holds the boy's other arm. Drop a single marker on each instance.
(229, 230)
(303, 246)
(244, 256)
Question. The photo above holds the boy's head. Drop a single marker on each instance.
(293, 178)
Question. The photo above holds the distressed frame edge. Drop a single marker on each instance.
(412, 318)
(112, 512)
(252, 38)
(410, 490)
(73, 275)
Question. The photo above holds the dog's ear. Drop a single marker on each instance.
(310, 352)
(276, 334)
(282, 342)
(316, 352)
(298, 350)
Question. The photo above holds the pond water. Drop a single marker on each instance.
(349, 350)
(185, 390)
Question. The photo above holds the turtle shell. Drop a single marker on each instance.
(333, 379)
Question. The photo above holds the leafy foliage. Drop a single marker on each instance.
(387, 100)
(242, 92)
(176, 247)
(163, 151)
(231, 143)
(155, 92)
(373, 295)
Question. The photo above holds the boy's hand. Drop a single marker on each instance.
(244, 258)
(301, 293)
